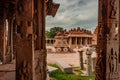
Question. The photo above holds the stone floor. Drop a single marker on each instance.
(7, 72)
(68, 58)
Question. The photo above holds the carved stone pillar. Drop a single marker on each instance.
(11, 39)
(81, 40)
(76, 42)
(9, 52)
(3, 36)
(24, 40)
(88, 40)
(81, 60)
(40, 69)
(101, 41)
(89, 62)
(86, 43)
(70, 41)
(112, 72)
(41, 25)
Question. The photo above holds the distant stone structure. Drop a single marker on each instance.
(74, 38)
(79, 37)
(50, 41)
(94, 41)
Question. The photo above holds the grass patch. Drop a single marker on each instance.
(53, 65)
(59, 75)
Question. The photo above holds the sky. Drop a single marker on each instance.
(73, 14)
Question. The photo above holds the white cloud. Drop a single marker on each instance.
(74, 13)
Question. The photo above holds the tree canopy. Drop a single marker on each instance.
(53, 31)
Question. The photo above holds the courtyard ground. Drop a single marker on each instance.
(68, 58)
(7, 72)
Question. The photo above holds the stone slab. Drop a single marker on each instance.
(51, 69)
(64, 67)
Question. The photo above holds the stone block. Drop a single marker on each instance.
(51, 69)
(66, 68)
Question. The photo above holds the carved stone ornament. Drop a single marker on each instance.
(25, 71)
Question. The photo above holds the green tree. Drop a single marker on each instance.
(53, 31)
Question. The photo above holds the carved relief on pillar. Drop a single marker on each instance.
(24, 58)
(100, 66)
(24, 8)
(25, 72)
(112, 72)
(113, 32)
(112, 66)
(101, 32)
(40, 65)
(113, 9)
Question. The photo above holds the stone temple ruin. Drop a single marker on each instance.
(25, 40)
(74, 38)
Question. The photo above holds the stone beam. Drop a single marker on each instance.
(51, 7)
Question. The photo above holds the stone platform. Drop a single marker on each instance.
(7, 71)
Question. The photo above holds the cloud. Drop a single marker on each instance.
(75, 13)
